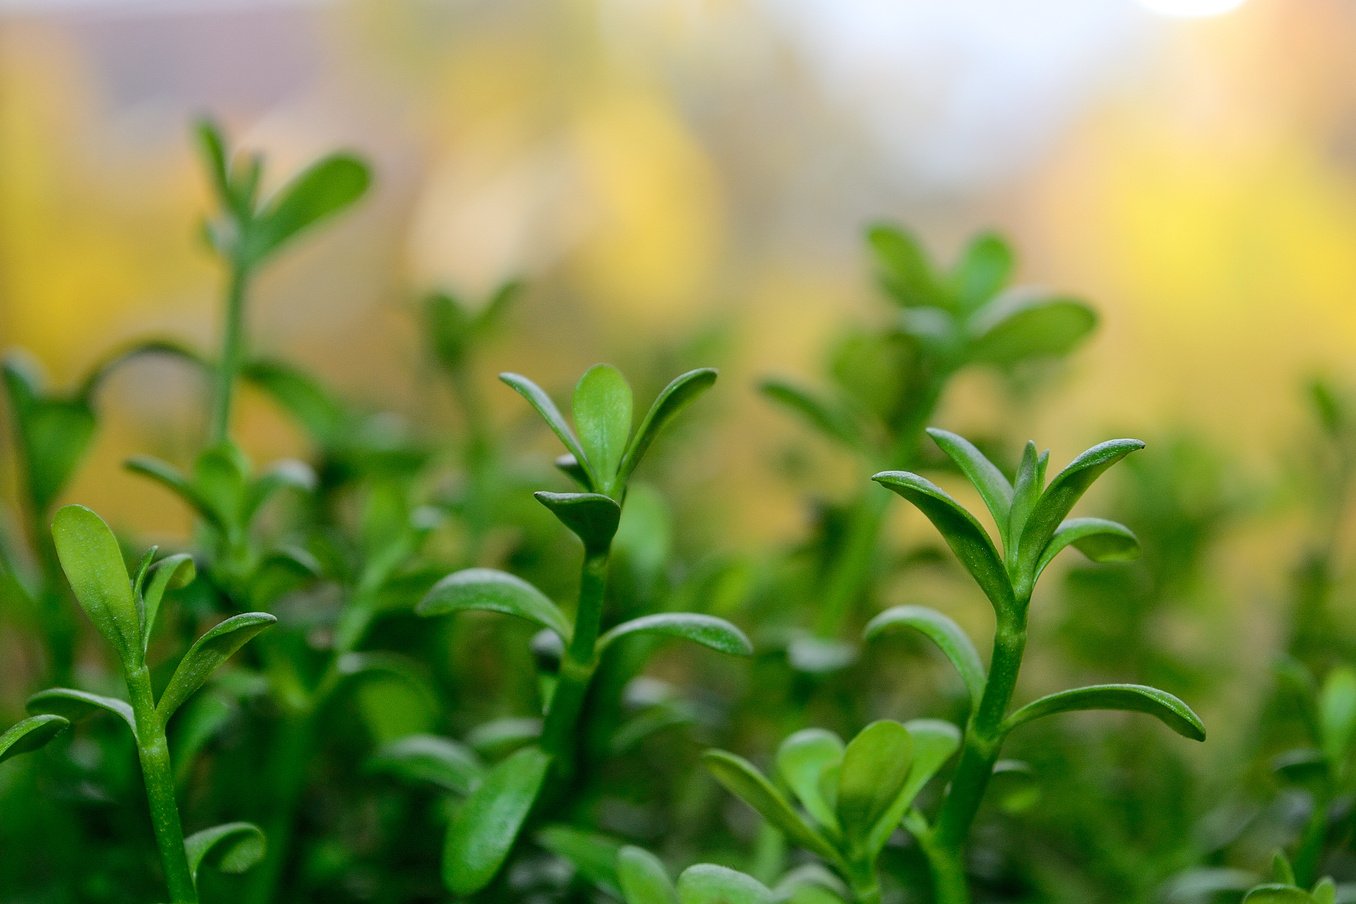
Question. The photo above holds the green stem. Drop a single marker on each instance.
(576, 667)
(983, 741)
(865, 883)
(479, 460)
(850, 572)
(228, 368)
(153, 749)
(286, 774)
(1309, 855)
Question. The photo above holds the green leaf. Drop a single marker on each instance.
(602, 415)
(92, 560)
(1026, 493)
(592, 854)
(213, 149)
(934, 742)
(829, 419)
(170, 573)
(30, 734)
(301, 396)
(873, 775)
(643, 879)
(1277, 894)
(177, 483)
(1163, 706)
(288, 474)
(1063, 493)
(983, 475)
(230, 848)
(1097, 538)
(592, 517)
(316, 194)
(904, 269)
(707, 630)
(744, 781)
(1013, 787)
(488, 590)
(206, 656)
(1337, 713)
(960, 530)
(672, 399)
(707, 883)
(801, 762)
(484, 830)
(543, 405)
(1017, 328)
(984, 269)
(74, 705)
(942, 631)
(429, 758)
(221, 477)
(54, 434)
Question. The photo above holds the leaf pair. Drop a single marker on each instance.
(1031, 518)
(965, 313)
(124, 611)
(605, 451)
(854, 795)
(453, 326)
(247, 232)
(487, 590)
(644, 880)
(1285, 889)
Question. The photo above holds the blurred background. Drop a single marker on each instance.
(690, 179)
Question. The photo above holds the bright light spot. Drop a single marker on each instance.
(1193, 8)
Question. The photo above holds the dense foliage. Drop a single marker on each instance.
(317, 660)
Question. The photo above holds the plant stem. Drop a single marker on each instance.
(228, 368)
(286, 774)
(153, 749)
(851, 570)
(1309, 855)
(865, 883)
(479, 460)
(576, 667)
(983, 740)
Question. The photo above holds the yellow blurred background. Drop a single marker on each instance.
(666, 170)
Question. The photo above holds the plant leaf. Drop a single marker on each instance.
(592, 517)
(1018, 327)
(30, 734)
(54, 433)
(871, 779)
(592, 854)
(707, 630)
(75, 705)
(1337, 713)
(707, 883)
(942, 631)
(983, 474)
(934, 742)
(1277, 894)
(984, 270)
(673, 398)
(960, 530)
(230, 848)
(903, 266)
(429, 758)
(488, 590)
(177, 483)
(213, 149)
(1163, 706)
(801, 761)
(317, 193)
(643, 879)
(92, 560)
(1097, 538)
(1026, 493)
(206, 656)
(829, 419)
(543, 405)
(1063, 493)
(170, 573)
(484, 829)
(602, 415)
(744, 781)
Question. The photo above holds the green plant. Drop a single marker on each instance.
(246, 233)
(854, 796)
(124, 610)
(887, 382)
(602, 455)
(1033, 527)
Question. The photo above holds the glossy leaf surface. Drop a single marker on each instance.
(488, 590)
(485, 828)
(206, 656)
(942, 631)
(30, 734)
(93, 563)
(707, 630)
(1163, 706)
